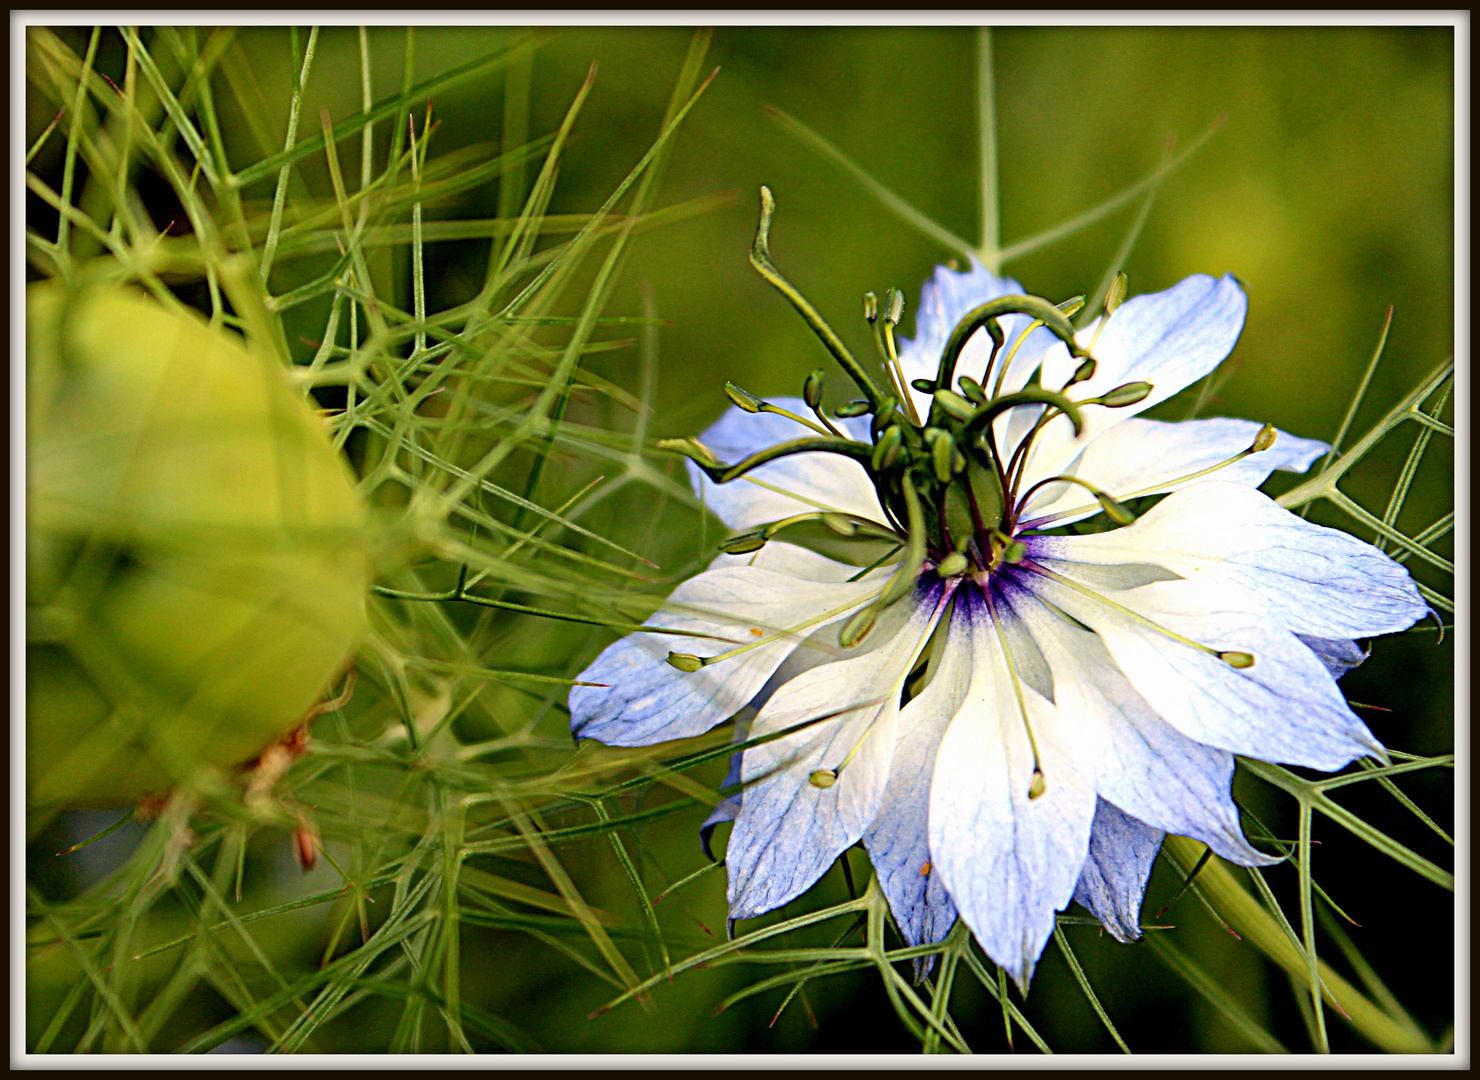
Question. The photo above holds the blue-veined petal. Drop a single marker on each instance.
(1009, 862)
(646, 700)
(1169, 339)
(1339, 656)
(898, 842)
(1112, 884)
(1147, 455)
(1311, 579)
(789, 831)
(1285, 707)
(787, 486)
(1137, 760)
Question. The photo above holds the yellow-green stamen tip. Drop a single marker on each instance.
(1237, 659)
(743, 544)
(1265, 439)
(1038, 786)
(1130, 393)
(823, 778)
(857, 628)
(839, 524)
(952, 565)
(685, 661)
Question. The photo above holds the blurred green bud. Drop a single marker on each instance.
(888, 448)
(1071, 307)
(743, 544)
(952, 565)
(1130, 393)
(196, 549)
(972, 390)
(685, 662)
(893, 307)
(954, 405)
(1265, 439)
(1115, 295)
(743, 399)
(812, 388)
(856, 407)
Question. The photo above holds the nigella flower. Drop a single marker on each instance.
(1008, 717)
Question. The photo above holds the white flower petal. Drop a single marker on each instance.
(1284, 708)
(646, 700)
(1138, 761)
(1338, 656)
(789, 831)
(1169, 339)
(1122, 851)
(787, 486)
(1007, 861)
(1140, 455)
(1313, 580)
(898, 842)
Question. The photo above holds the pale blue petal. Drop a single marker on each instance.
(1112, 884)
(1139, 762)
(1140, 456)
(797, 484)
(1009, 862)
(1338, 656)
(1284, 708)
(1310, 579)
(789, 831)
(898, 842)
(645, 700)
(729, 806)
(1169, 339)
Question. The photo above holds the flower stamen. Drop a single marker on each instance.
(1232, 658)
(688, 662)
(1039, 784)
(1263, 441)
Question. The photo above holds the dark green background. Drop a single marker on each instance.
(1328, 192)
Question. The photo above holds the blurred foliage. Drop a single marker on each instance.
(1328, 189)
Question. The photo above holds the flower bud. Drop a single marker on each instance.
(942, 451)
(972, 390)
(1071, 307)
(841, 525)
(743, 544)
(858, 626)
(893, 307)
(743, 398)
(952, 565)
(812, 389)
(1130, 393)
(888, 448)
(1114, 509)
(954, 405)
(1084, 372)
(691, 448)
